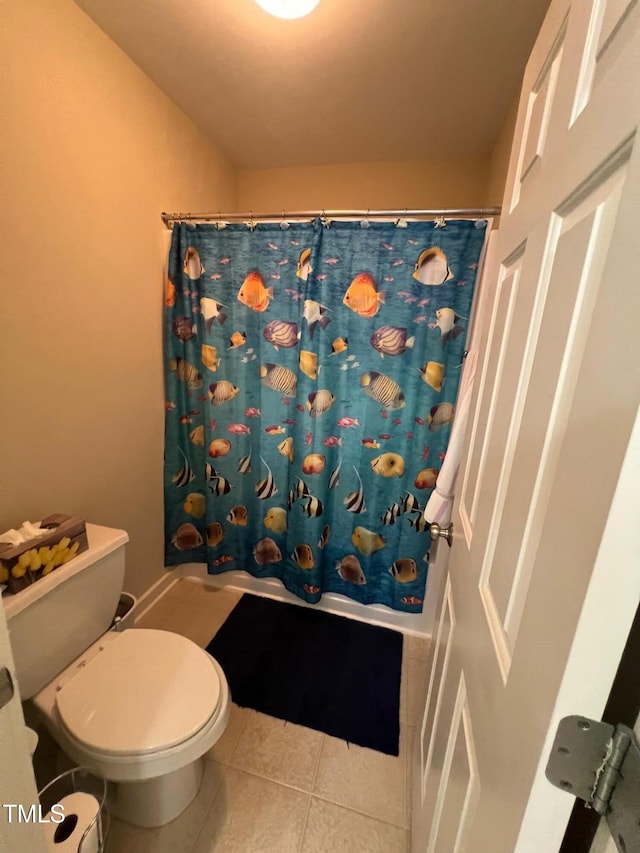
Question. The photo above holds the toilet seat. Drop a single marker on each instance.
(146, 692)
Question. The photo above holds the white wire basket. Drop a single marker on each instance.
(75, 807)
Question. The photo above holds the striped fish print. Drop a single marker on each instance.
(186, 373)
(266, 488)
(313, 508)
(390, 515)
(354, 501)
(185, 474)
(334, 479)
(221, 486)
(410, 503)
(419, 523)
(278, 378)
(383, 389)
(281, 333)
(244, 465)
(391, 340)
(221, 392)
(320, 402)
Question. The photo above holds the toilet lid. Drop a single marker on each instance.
(147, 690)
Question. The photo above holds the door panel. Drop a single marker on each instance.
(556, 396)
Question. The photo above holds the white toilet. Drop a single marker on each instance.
(140, 707)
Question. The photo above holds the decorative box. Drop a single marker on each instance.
(24, 564)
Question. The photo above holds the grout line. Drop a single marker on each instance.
(223, 768)
(313, 787)
(362, 814)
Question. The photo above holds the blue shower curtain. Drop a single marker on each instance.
(311, 379)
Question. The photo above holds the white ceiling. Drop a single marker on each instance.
(355, 81)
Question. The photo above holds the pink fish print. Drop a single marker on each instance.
(213, 424)
(384, 413)
(409, 435)
(321, 277)
(473, 266)
(442, 455)
(420, 319)
(194, 411)
(348, 422)
(420, 421)
(225, 260)
(404, 293)
(215, 276)
(239, 429)
(411, 299)
(332, 261)
(252, 412)
(285, 401)
(290, 421)
(396, 421)
(388, 278)
(332, 441)
(461, 284)
(282, 262)
(424, 302)
(294, 242)
(413, 242)
(272, 246)
(170, 406)
(274, 275)
(432, 325)
(300, 408)
(384, 436)
(425, 451)
(308, 438)
(397, 262)
(202, 398)
(387, 246)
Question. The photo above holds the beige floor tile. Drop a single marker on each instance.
(333, 829)
(222, 750)
(253, 815)
(123, 838)
(198, 618)
(411, 744)
(417, 647)
(180, 835)
(279, 751)
(362, 779)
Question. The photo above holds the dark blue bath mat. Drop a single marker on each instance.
(325, 672)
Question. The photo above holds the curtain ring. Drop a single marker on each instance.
(283, 223)
(364, 223)
(439, 222)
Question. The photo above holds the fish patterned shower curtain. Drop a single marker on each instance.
(311, 379)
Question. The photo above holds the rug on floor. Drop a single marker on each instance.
(326, 672)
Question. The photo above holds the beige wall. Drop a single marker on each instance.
(500, 157)
(94, 152)
(413, 184)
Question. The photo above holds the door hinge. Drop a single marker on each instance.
(600, 764)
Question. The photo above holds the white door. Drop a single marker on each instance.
(556, 396)
(17, 783)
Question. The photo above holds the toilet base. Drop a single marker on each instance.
(154, 802)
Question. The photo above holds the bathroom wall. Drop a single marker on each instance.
(93, 151)
(499, 163)
(412, 184)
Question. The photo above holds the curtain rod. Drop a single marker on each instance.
(170, 218)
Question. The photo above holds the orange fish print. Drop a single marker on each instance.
(363, 296)
(310, 588)
(253, 292)
(225, 558)
(411, 599)
(171, 294)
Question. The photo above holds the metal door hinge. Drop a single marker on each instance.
(600, 764)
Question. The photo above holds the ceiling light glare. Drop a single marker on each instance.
(288, 9)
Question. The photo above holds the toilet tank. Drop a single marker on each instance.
(55, 619)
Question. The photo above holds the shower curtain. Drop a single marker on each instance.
(311, 378)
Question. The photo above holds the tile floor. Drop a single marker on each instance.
(274, 787)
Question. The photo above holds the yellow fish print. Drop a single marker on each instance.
(195, 505)
(432, 267)
(304, 266)
(363, 296)
(339, 345)
(426, 479)
(254, 294)
(210, 357)
(433, 374)
(388, 465)
(367, 541)
(286, 448)
(303, 556)
(309, 363)
(219, 447)
(276, 519)
(221, 392)
(404, 570)
(215, 534)
(196, 436)
(238, 515)
(237, 339)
